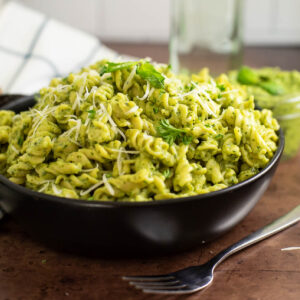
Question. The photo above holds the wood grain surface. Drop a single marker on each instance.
(28, 270)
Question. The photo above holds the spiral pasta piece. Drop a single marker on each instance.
(156, 147)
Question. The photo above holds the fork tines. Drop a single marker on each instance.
(158, 284)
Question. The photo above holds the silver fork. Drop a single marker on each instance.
(195, 278)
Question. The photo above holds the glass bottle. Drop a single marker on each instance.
(206, 33)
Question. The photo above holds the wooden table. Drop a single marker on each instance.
(28, 270)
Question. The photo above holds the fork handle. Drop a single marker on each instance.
(280, 224)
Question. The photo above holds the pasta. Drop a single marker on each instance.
(134, 131)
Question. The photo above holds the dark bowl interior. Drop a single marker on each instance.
(125, 228)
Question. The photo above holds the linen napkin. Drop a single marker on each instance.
(35, 48)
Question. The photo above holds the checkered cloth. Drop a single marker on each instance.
(34, 49)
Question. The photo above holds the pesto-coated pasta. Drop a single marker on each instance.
(134, 131)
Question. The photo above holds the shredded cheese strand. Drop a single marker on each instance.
(119, 162)
(107, 185)
(93, 187)
(14, 149)
(128, 82)
(146, 92)
(125, 151)
(55, 189)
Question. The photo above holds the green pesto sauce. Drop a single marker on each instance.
(285, 105)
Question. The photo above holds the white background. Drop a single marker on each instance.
(265, 21)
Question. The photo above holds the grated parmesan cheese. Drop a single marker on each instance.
(146, 92)
(46, 184)
(105, 76)
(93, 187)
(151, 92)
(132, 110)
(107, 185)
(43, 114)
(44, 187)
(119, 162)
(229, 92)
(55, 189)
(112, 123)
(125, 151)
(78, 125)
(14, 149)
(79, 94)
(128, 82)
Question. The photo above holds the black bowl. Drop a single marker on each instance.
(132, 228)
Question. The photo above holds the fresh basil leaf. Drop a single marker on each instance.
(112, 67)
(272, 87)
(247, 76)
(148, 73)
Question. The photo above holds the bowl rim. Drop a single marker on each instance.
(112, 204)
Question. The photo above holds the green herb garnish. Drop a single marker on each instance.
(20, 141)
(170, 133)
(247, 76)
(145, 70)
(221, 87)
(155, 109)
(92, 114)
(272, 88)
(90, 198)
(148, 73)
(112, 67)
(187, 139)
(161, 92)
(166, 173)
(219, 136)
(44, 261)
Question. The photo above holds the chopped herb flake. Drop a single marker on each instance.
(187, 139)
(92, 114)
(20, 141)
(167, 173)
(221, 87)
(155, 109)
